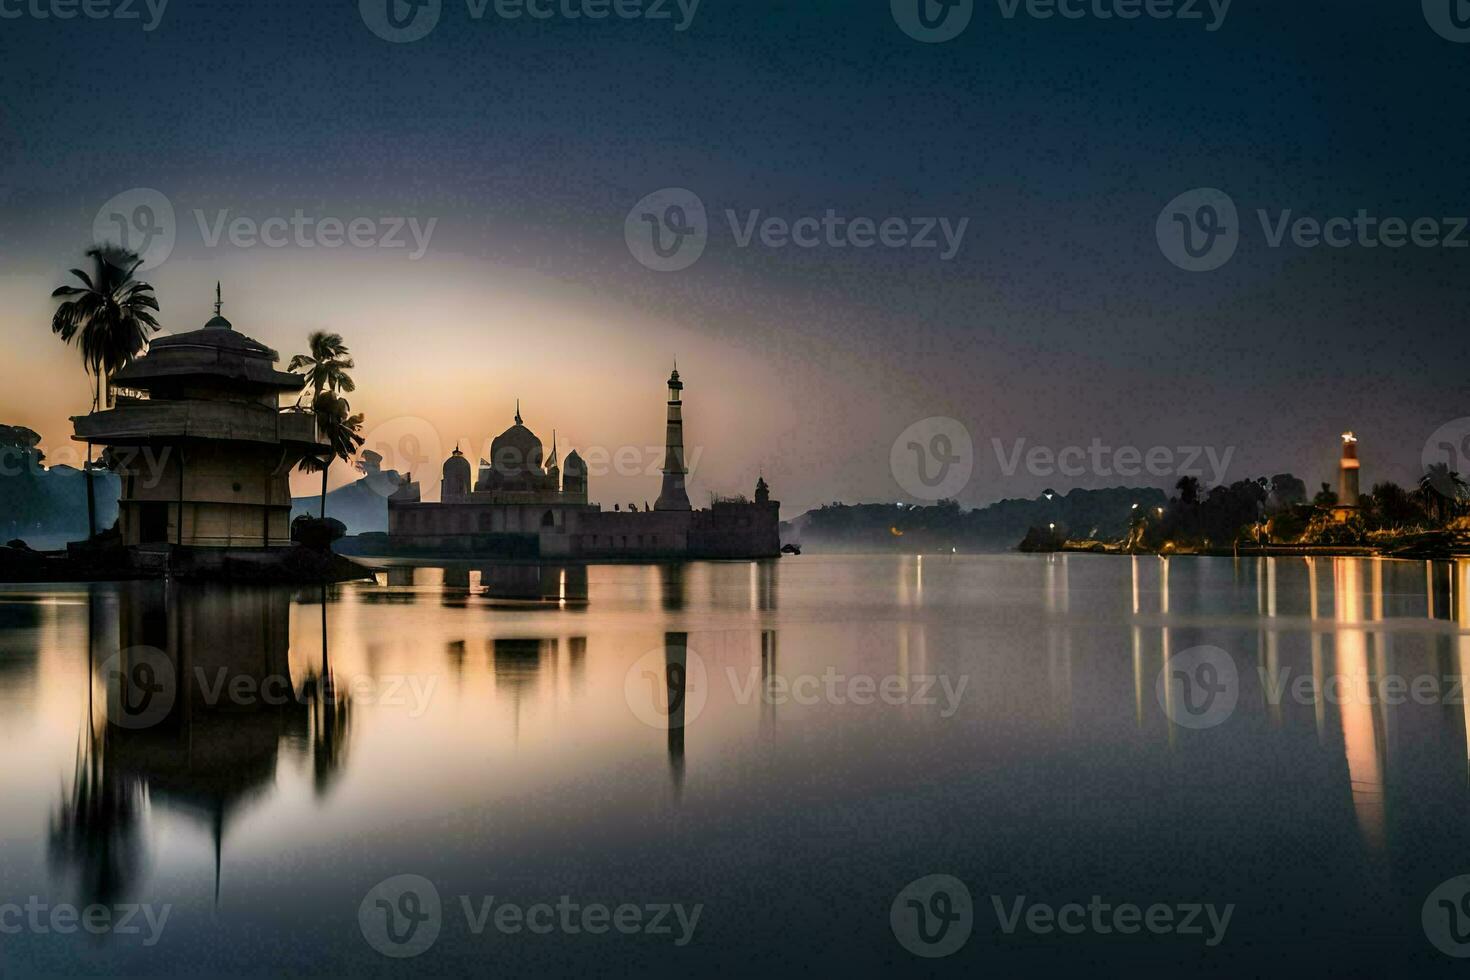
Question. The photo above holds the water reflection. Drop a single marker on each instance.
(502, 584)
(1058, 750)
(1339, 638)
(517, 664)
(676, 672)
(22, 624)
(210, 751)
(672, 587)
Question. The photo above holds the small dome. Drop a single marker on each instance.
(457, 464)
(573, 466)
(456, 474)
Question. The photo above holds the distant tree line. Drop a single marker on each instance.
(945, 525)
(1276, 510)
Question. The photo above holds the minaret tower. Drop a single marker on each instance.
(1347, 478)
(674, 496)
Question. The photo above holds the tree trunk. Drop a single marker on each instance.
(87, 473)
(324, 488)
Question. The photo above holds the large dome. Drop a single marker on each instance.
(516, 451)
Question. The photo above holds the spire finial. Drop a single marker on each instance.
(518, 411)
(218, 302)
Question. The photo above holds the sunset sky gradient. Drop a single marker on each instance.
(1058, 322)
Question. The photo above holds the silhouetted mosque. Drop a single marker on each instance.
(524, 505)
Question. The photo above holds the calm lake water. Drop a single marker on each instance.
(741, 768)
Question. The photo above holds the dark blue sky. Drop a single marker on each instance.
(1058, 321)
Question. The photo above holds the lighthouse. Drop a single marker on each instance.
(673, 496)
(1347, 479)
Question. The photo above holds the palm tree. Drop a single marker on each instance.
(326, 363)
(110, 317)
(1441, 489)
(337, 429)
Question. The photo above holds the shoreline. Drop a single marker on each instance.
(1413, 552)
(296, 565)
